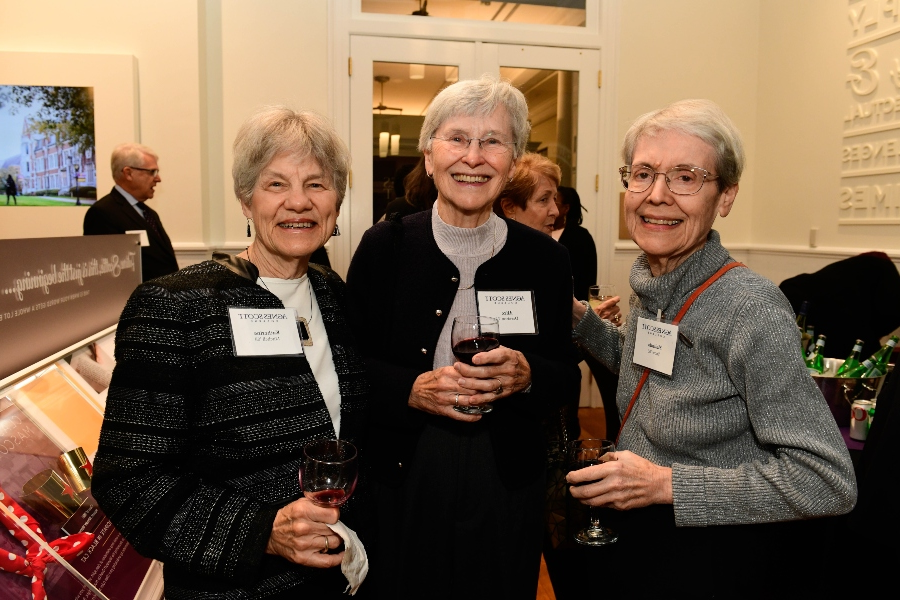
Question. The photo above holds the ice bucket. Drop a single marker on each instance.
(840, 392)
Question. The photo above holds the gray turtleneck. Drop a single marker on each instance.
(746, 431)
(467, 248)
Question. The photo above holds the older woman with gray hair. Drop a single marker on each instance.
(204, 428)
(728, 453)
(459, 489)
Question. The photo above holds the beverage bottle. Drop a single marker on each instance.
(816, 361)
(852, 361)
(860, 370)
(809, 340)
(882, 358)
(801, 315)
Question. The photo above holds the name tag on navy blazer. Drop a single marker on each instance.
(513, 309)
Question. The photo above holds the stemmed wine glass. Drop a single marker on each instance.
(585, 453)
(329, 472)
(599, 293)
(470, 335)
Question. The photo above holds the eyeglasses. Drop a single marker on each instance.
(684, 181)
(152, 172)
(459, 143)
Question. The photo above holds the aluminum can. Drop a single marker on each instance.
(859, 419)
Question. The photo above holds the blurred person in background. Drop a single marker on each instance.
(418, 194)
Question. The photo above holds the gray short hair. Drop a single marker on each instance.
(703, 119)
(275, 130)
(129, 154)
(478, 97)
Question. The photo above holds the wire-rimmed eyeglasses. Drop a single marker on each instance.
(459, 143)
(684, 181)
(152, 172)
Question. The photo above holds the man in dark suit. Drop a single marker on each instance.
(136, 173)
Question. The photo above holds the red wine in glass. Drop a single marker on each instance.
(329, 472)
(465, 350)
(471, 335)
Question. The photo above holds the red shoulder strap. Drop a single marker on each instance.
(694, 295)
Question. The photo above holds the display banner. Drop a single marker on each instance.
(55, 292)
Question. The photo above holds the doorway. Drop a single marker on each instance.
(395, 79)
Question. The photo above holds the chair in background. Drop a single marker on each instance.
(854, 298)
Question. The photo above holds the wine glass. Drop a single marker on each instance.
(329, 472)
(599, 293)
(470, 335)
(585, 453)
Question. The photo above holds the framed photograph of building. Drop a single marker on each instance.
(102, 88)
(47, 145)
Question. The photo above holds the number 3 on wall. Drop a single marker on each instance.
(866, 82)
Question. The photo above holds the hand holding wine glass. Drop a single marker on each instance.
(598, 296)
(470, 335)
(585, 453)
(329, 472)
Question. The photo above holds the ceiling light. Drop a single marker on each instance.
(417, 71)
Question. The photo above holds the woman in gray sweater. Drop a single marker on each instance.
(727, 447)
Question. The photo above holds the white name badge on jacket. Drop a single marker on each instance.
(513, 309)
(654, 345)
(265, 331)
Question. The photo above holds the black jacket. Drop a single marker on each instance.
(401, 289)
(113, 214)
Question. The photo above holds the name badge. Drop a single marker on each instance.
(514, 310)
(265, 332)
(145, 241)
(654, 345)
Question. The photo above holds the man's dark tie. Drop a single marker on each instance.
(150, 217)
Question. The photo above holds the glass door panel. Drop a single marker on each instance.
(392, 85)
(401, 94)
(553, 111)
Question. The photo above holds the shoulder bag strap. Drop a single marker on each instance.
(696, 293)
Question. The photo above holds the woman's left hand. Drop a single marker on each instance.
(627, 482)
(495, 374)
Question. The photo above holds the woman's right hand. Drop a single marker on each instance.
(436, 392)
(609, 310)
(300, 535)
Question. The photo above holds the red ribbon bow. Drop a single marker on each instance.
(36, 560)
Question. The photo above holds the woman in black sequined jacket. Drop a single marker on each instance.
(200, 449)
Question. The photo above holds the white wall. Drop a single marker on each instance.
(162, 36)
(778, 68)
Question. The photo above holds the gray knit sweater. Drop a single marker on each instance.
(746, 431)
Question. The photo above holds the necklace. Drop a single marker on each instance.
(493, 247)
(302, 324)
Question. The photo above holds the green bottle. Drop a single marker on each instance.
(860, 370)
(882, 358)
(810, 340)
(816, 361)
(851, 361)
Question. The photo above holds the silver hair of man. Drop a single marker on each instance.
(276, 130)
(700, 118)
(129, 154)
(478, 98)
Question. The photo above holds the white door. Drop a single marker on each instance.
(561, 85)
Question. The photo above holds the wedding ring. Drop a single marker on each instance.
(327, 548)
(456, 400)
(617, 317)
(499, 389)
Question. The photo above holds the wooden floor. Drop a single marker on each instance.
(593, 425)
